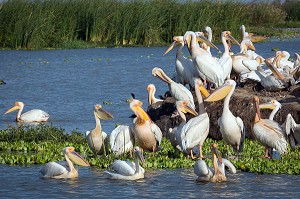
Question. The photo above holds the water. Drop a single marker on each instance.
(67, 84)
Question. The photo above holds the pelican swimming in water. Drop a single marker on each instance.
(151, 92)
(268, 132)
(121, 140)
(64, 170)
(95, 138)
(147, 134)
(184, 67)
(195, 131)
(35, 115)
(178, 91)
(231, 127)
(175, 134)
(205, 174)
(126, 170)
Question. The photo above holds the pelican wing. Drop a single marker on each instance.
(157, 132)
(251, 64)
(292, 131)
(271, 83)
(181, 93)
(270, 134)
(121, 139)
(53, 169)
(34, 115)
(203, 172)
(228, 164)
(124, 168)
(194, 130)
(240, 123)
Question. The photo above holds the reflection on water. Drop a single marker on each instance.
(67, 84)
(26, 182)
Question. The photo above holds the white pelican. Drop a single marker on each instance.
(195, 131)
(126, 170)
(205, 174)
(178, 91)
(290, 127)
(121, 140)
(268, 132)
(95, 138)
(225, 60)
(231, 127)
(208, 68)
(147, 134)
(184, 67)
(151, 92)
(64, 170)
(175, 134)
(35, 115)
(274, 105)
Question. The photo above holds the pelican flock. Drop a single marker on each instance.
(210, 79)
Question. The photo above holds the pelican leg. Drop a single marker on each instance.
(201, 154)
(192, 156)
(227, 150)
(267, 153)
(153, 149)
(130, 151)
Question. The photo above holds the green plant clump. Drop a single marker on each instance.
(42, 143)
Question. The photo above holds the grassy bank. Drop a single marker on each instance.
(41, 144)
(34, 24)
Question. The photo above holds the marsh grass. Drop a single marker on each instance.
(43, 143)
(35, 24)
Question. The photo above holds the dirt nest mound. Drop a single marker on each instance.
(162, 113)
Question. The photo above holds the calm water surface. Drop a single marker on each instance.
(67, 84)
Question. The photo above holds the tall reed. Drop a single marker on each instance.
(56, 23)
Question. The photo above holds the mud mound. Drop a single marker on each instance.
(240, 105)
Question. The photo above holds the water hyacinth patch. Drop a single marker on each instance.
(43, 143)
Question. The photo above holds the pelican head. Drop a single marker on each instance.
(177, 40)
(274, 70)
(202, 89)
(215, 152)
(222, 91)
(184, 107)
(74, 156)
(202, 38)
(17, 106)
(227, 35)
(158, 72)
(136, 107)
(101, 113)
(138, 154)
(270, 105)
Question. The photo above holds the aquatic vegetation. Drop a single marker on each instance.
(43, 143)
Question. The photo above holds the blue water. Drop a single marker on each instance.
(67, 84)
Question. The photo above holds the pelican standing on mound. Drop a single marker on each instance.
(268, 132)
(185, 72)
(175, 134)
(204, 173)
(35, 115)
(225, 60)
(195, 131)
(121, 140)
(66, 170)
(147, 134)
(126, 170)
(151, 92)
(178, 91)
(95, 138)
(231, 127)
(207, 67)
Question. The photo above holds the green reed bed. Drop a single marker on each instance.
(35, 24)
(43, 143)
